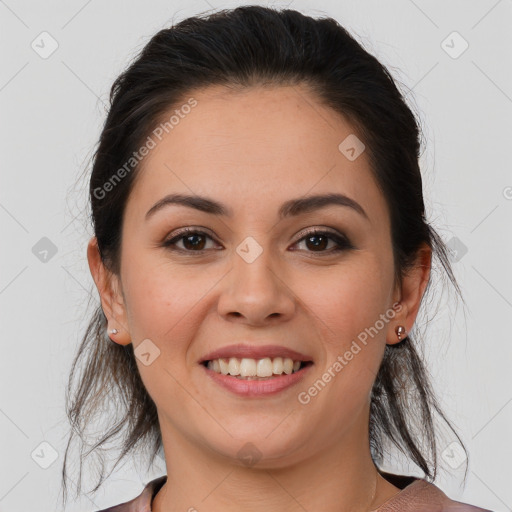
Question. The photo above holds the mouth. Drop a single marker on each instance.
(255, 369)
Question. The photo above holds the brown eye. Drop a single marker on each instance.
(315, 241)
(192, 241)
(318, 241)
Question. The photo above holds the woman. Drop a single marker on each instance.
(261, 253)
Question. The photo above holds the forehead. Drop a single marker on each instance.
(256, 147)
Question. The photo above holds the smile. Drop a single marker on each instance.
(255, 369)
(254, 386)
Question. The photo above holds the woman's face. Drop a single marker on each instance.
(254, 277)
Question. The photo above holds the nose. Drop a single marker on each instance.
(254, 293)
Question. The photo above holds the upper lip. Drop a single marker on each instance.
(242, 350)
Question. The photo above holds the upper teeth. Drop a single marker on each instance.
(246, 367)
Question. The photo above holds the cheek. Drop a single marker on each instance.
(162, 299)
(163, 306)
(347, 300)
(348, 305)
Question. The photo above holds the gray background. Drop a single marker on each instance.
(52, 110)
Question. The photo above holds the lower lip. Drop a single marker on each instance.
(257, 388)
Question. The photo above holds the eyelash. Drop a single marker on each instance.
(343, 243)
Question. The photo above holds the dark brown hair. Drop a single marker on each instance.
(244, 47)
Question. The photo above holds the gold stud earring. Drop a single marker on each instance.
(400, 331)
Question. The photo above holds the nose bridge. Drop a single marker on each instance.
(255, 290)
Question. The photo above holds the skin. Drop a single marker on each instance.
(252, 151)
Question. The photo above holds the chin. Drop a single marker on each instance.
(262, 446)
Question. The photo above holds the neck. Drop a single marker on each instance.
(339, 478)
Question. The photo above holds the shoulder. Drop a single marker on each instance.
(423, 496)
(418, 496)
(142, 502)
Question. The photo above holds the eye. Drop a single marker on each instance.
(193, 240)
(318, 240)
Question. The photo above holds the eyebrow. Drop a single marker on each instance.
(290, 208)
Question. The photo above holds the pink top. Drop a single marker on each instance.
(416, 495)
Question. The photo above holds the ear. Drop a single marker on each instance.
(413, 287)
(112, 300)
